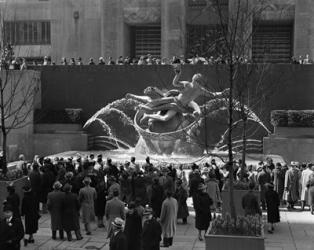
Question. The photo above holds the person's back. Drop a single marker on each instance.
(250, 203)
(87, 195)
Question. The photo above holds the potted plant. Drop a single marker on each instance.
(245, 233)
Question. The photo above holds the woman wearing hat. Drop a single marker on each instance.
(118, 240)
(30, 211)
(202, 203)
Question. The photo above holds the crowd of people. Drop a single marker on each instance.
(21, 63)
(141, 204)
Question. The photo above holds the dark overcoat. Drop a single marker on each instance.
(55, 205)
(14, 201)
(30, 211)
(35, 180)
(133, 231)
(250, 204)
(118, 241)
(279, 181)
(202, 203)
(181, 196)
(151, 236)
(13, 232)
(272, 202)
(70, 212)
(157, 198)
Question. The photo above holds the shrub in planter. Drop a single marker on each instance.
(244, 225)
(292, 118)
(246, 233)
(279, 118)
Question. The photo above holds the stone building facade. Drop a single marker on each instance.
(94, 28)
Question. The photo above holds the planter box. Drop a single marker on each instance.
(232, 242)
(18, 184)
(238, 194)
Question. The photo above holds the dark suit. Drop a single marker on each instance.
(250, 204)
(118, 241)
(11, 234)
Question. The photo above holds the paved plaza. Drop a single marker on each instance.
(295, 232)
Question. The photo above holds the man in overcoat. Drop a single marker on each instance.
(114, 209)
(87, 197)
(292, 185)
(11, 230)
(151, 235)
(54, 204)
(168, 219)
(70, 213)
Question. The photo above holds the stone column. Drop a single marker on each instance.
(304, 28)
(173, 27)
(112, 28)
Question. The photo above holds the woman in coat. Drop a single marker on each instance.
(168, 219)
(133, 228)
(202, 203)
(30, 211)
(272, 203)
(70, 213)
(213, 191)
(181, 196)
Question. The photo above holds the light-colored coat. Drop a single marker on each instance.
(87, 196)
(114, 208)
(292, 185)
(213, 192)
(305, 176)
(168, 217)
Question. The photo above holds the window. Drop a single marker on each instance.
(204, 40)
(27, 32)
(272, 42)
(146, 40)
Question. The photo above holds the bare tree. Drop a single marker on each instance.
(18, 89)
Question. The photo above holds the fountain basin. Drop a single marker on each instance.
(167, 138)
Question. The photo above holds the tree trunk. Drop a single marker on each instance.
(3, 129)
(229, 142)
(4, 150)
(243, 147)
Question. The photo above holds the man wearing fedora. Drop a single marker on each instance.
(54, 203)
(291, 193)
(118, 239)
(87, 197)
(151, 235)
(11, 230)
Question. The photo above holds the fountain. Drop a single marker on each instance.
(118, 126)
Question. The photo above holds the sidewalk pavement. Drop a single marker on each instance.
(294, 232)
